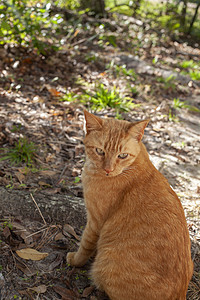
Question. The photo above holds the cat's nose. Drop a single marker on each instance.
(108, 170)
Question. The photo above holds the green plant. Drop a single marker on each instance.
(16, 128)
(23, 151)
(6, 223)
(118, 116)
(193, 69)
(28, 23)
(127, 72)
(177, 104)
(155, 60)
(168, 82)
(109, 39)
(172, 117)
(70, 4)
(77, 277)
(69, 97)
(188, 64)
(1, 267)
(133, 89)
(77, 179)
(104, 98)
(92, 57)
(195, 75)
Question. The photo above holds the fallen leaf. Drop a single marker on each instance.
(65, 293)
(28, 271)
(20, 176)
(21, 230)
(39, 289)
(27, 238)
(6, 232)
(48, 173)
(30, 253)
(42, 183)
(53, 91)
(87, 291)
(59, 236)
(56, 262)
(24, 170)
(55, 148)
(76, 32)
(50, 157)
(23, 292)
(69, 229)
(51, 191)
(27, 60)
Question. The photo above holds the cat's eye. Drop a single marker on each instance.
(100, 151)
(123, 155)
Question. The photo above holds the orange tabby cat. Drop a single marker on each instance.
(136, 227)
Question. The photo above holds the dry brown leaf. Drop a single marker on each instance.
(27, 238)
(53, 91)
(39, 289)
(47, 173)
(55, 148)
(24, 170)
(59, 236)
(20, 176)
(21, 230)
(50, 157)
(65, 293)
(30, 253)
(51, 191)
(27, 270)
(87, 291)
(6, 232)
(69, 229)
(56, 262)
(42, 183)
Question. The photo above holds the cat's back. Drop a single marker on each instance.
(146, 232)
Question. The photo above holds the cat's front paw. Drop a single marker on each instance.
(70, 258)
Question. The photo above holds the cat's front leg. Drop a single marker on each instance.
(86, 249)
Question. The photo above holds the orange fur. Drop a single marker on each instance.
(136, 227)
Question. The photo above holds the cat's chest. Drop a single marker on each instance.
(100, 194)
(99, 188)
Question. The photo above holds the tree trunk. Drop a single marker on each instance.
(194, 17)
(97, 7)
(136, 6)
(56, 208)
(183, 12)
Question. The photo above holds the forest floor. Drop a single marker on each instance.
(144, 65)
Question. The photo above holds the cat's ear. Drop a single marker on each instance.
(92, 122)
(137, 129)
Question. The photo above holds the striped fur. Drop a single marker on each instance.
(136, 228)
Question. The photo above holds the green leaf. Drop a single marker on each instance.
(77, 180)
(5, 25)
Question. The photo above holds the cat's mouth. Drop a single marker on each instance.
(111, 174)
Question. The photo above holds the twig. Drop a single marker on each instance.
(36, 232)
(38, 209)
(63, 171)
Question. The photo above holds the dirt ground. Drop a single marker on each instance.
(41, 206)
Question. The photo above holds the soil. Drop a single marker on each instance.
(41, 203)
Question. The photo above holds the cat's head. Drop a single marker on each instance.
(112, 145)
